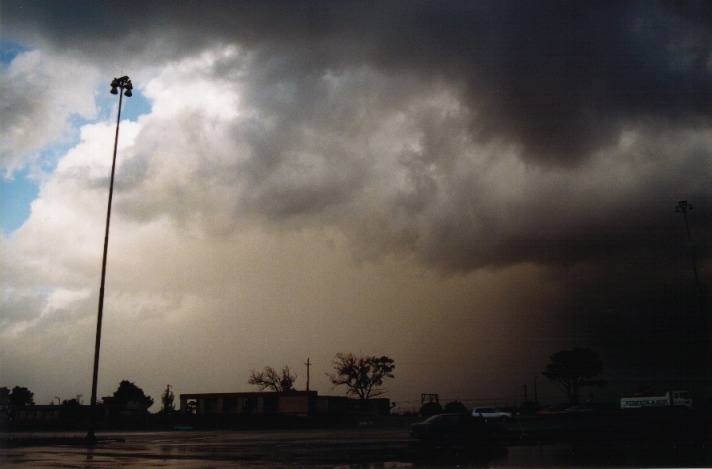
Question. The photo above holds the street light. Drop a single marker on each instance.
(683, 207)
(123, 84)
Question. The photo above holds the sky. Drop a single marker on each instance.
(465, 187)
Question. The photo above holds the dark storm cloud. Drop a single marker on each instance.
(475, 139)
(556, 83)
(559, 78)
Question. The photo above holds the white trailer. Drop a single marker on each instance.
(669, 399)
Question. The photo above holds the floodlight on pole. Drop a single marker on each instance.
(683, 207)
(123, 84)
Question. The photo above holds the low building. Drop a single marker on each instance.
(37, 414)
(49, 417)
(293, 403)
(256, 403)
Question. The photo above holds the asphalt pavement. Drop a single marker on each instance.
(614, 440)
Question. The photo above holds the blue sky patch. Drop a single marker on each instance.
(9, 50)
(18, 191)
(16, 195)
(135, 106)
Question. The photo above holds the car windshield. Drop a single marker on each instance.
(485, 410)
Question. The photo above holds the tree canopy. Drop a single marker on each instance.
(362, 375)
(430, 408)
(455, 407)
(18, 397)
(269, 378)
(129, 395)
(574, 369)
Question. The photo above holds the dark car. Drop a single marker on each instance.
(454, 427)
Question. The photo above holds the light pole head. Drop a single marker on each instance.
(128, 86)
(124, 83)
(683, 206)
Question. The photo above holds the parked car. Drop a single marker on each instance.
(453, 427)
(490, 413)
(459, 437)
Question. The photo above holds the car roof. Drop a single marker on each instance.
(450, 416)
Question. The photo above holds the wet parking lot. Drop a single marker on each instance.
(538, 443)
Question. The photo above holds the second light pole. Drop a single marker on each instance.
(683, 207)
(121, 86)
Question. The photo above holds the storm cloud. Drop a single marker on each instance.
(533, 150)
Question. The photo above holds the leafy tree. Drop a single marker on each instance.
(269, 378)
(128, 395)
(455, 407)
(431, 408)
(167, 401)
(574, 369)
(362, 375)
(21, 396)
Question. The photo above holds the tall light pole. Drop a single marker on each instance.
(121, 86)
(683, 207)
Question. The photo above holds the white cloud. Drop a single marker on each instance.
(41, 93)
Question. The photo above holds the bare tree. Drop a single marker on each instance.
(269, 378)
(362, 375)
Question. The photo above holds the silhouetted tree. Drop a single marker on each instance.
(574, 369)
(455, 407)
(21, 396)
(128, 393)
(167, 401)
(431, 408)
(363, 376)
(269, 378)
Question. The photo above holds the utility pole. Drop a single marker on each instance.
(308, 365)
